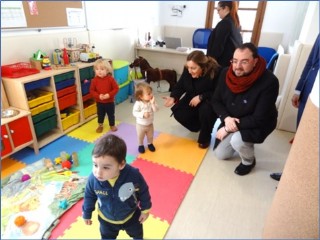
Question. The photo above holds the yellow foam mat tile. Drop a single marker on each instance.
(176, 152)
(10, 166)
(87, 132)
(153, 228)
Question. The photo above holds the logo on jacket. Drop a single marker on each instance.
(126, 191)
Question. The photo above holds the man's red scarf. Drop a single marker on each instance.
(241, 84)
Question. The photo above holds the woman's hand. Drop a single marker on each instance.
(195, 101)
(231, 124)
(169, 101)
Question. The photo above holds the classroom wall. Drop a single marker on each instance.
(112, 25)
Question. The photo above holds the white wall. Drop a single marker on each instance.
(284, 17)
(130, 20)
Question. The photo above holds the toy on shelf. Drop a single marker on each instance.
(65, 57)
(46, 64)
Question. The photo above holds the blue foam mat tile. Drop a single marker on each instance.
(51, 150)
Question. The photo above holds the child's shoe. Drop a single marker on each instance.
(151, 147)
(141, 149)
(99, 129)
(113, 128)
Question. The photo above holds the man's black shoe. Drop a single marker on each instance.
(276, 176)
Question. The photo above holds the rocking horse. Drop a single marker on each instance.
(155, 74)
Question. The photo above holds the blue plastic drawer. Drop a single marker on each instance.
(85, 87)
(37, 84)
(123, 93)
(65, 83)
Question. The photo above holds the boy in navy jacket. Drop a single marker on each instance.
(122, 193)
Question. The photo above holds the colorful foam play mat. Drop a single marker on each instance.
(40, 200)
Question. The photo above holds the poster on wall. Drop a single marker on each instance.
(12, 14)
(33, 8)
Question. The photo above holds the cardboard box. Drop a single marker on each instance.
(36, 64)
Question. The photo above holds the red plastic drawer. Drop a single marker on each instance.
(67, 101)
(66, 91)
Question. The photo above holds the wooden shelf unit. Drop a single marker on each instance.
(17, 97)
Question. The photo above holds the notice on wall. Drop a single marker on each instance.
(75, 17)
(12, 14)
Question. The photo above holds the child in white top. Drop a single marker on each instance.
(143, 110)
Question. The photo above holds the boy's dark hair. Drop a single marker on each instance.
(253, 49)
(111, 145)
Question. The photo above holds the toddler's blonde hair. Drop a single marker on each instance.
(140, 87)
(104, 64)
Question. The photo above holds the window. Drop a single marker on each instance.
(250, 13)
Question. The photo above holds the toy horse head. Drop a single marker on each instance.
(140, 62)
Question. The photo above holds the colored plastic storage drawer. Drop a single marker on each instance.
(86, 73)
(86, 97)
(66, 91)
(67, 101)
(90, 108)
(45, 114)
(41, 108)
(40, 97)
(121, 71)
(37, 84)
(63, 76)
(85, 87)
(65, 83)
(123, 93)
(45, 125)
(72, 119)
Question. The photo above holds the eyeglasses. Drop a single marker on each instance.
(242, 62)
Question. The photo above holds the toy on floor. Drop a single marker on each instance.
(25, 177)
(57, 160)
(20, 221)
(75, 159)
(48, 164)
(63, 204)
(66, 164)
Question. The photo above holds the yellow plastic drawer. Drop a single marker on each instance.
(71, 120)
(90, 110)
(41, 108)
(40, 97)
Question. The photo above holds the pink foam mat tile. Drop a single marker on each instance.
(167, 187)
(67, 219)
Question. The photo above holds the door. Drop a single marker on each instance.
(20, 131)
(6, 147)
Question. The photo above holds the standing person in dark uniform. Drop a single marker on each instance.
(190, 97)
(225, 37)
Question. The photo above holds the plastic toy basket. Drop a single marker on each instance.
(17, 70)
